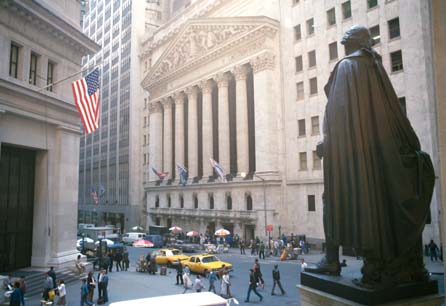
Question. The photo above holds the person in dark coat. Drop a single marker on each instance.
(125, 260)
(252, 286)
(118, 259)
(52, 274)
(179, 268)
(16, 296)
(378, 184)
(433, 250)
(110, 261)
(276, 279)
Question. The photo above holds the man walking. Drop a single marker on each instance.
(252, 286)
(433, 250)
(179, 273)
(84, 293)
(212, 277)
(262, 250)
(103, 286)
(258, 274)
(47, 286)
(118, 258)
(52, 274)
(276, 279)
(242, 247)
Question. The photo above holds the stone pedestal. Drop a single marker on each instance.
(314, 297)
(316, 289)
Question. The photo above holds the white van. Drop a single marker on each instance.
(129, 238)
(189, 299)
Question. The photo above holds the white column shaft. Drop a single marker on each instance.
(179, 133)
(223, 126)
(167, 134)
(242, 122)
(207, 130)
(192, 138)
(155, 141)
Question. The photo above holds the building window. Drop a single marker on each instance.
(33, 69)
(299, 64)
(229, 203)
(301, 127)
(248, 202)
(50, 76)
(331, 17)
(374, 33)
(145, 160)
(311, 202)
(211, 202)
(317, 165)
(346, 10)
(300, 90)
(315, 125)
(145, 139)
(403, 104)
(310, 26)
(312, 58)
(313, 86)
(303, 161)
(169, 201)
(158, 221)
(397, 60)
(196, 201)
(394, 28)
(157, 202)
(372, 3)
(181, 201)
(333, 50)
(14, 61)
(297, 33)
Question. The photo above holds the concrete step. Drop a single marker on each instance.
(35, 283)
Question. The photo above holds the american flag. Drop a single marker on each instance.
(219, 170)
(86, 97)
(94, 195)
(183, 174)
(161, 175)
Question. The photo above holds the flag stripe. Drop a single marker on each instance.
(84, 104)
(87, 102)
(80, 107)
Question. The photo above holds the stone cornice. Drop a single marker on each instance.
(183, 54)
(222, 79)
(155, 107)
(192, 92)
(240, 72)
(263, 61)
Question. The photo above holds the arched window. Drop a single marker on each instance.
(181, 201)
(229, 202)
(169, 201)
(248, 202)
(157, 201)
(211, 201)
(195, 201)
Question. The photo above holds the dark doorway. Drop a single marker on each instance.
(249, 232)
(17, 167)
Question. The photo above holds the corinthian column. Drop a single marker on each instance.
(223, 122)
(179, 131)
(265, 101)
(207, 127)
(192, 137)
(155, 139)
(242, 119)
(168, 144)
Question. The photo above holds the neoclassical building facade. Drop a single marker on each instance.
(242, 83)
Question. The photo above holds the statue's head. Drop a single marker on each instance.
(355, 38)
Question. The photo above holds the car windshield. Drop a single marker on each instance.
(209, 259)
(175, 252)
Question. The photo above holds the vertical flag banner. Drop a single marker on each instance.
(94, 195)
(183, 174)
(219, 170)
(161, 175)
(86, 98)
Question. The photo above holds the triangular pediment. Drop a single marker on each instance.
(204, 36)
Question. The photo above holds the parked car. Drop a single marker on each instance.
(129, 238)
(200, 263)
(157, 240)
(184, 246)
(169, 257)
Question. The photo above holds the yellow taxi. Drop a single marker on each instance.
(169, 257)
(200, 263)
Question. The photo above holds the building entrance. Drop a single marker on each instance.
(16, 206)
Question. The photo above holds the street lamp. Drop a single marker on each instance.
(243, 175)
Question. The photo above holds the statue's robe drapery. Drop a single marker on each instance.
(378, 184)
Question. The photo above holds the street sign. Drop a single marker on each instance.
(269, 228)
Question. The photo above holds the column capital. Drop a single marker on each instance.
(179, 97)
(264, 61)
(192, 92)
(155, 107)
(222, 79)
(240, 72)
(167, 103)
(206, 86)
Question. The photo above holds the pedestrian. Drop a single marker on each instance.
(198, 284)
(276, 248)
(186, 279)
(79, 265)
(303, 265)
(8, 283)
(276, 279)
(261, 250)
(91, 286)
(258, 274)
(242, 246)
(152, 267)
(226, 285)
(103, 286)
(62, 292)
(343, 263)
(253, 247)
(302, 246)
(118, 259)
(125, 259)
(84, 293)
(52, 274)
(110, 261)
(212, 277)
(47, 286)
(179, 268)
(23, 287)
(16, 295)
(252, 286)
(433, 250)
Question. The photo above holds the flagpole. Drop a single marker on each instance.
(69, 77)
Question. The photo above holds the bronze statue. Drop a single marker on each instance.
(378, 183)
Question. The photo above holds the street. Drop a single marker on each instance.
(133, 285)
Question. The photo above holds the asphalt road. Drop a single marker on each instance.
(133, 285)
